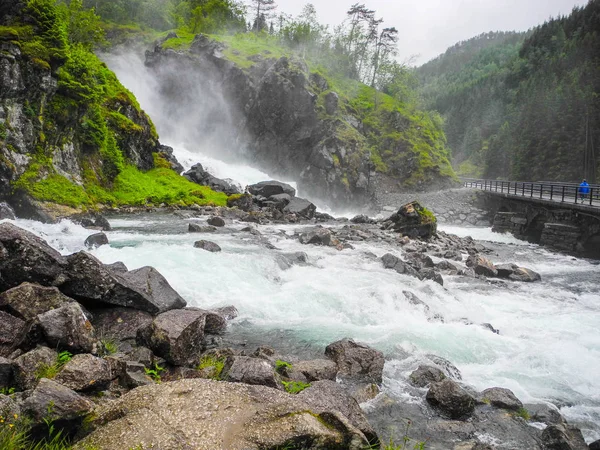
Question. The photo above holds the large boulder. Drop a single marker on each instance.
(269, 188)
(301, 207)
(326, 395)
(27, 365)
(356, 361)
(502, 398)
(412, 220)
(197, 228)
(12, 333)
(155, 286)
(51, 401)
(119, 323)
(92, 283)
(245, 369)
(216, 221)
(85, 373)
(176, 335)
(26, 257)
(516, 273)
(68, 328)
(482, 266)
(563, 437)
(451, 399)
(206, 414)
(28, 300)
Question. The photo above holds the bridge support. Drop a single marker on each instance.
(565, 228)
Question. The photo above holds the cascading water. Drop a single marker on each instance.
(548, 349)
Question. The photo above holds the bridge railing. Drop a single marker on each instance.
(561, 192)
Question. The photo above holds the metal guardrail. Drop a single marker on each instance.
(559, 192)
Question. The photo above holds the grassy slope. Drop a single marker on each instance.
(89, 108)
(420, 145)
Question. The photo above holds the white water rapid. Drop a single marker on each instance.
(548, 349)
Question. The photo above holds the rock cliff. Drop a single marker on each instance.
(67, 125)
(288, 120)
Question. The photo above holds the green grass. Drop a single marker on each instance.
(294, 387)
(523, 413)
(209, 361)
(109, 346)
(51, 370)
(155, 372)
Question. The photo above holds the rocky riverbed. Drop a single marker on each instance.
(128, 329)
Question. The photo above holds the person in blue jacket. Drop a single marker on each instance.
(584, 190)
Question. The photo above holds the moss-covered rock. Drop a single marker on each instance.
(70, 133)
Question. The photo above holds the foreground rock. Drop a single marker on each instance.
(54, 402)
(85, 373)
(501, 398)
(28, 300)
(68, 328)
(205, 414)
(91, 282)
(267, 189)
(96, 240)
(356, 361)
(26, 257)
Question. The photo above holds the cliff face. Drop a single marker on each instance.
(292, 123)
(66, 124)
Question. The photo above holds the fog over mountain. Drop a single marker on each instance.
(427, 27)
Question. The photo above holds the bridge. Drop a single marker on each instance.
(552, 214)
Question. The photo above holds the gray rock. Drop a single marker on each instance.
(9, 407)
(149, 281)
(301, 207)
(176, 335)
(269, 188)
(197, 228)
(525, 275)
(142, 355)
(447, 267)
(28, 300)
(419, 260)
(6, 212)
(544, 413)
(208, 246)
(68, 328)
(410, 220)
(96, 240)
(67, 411)
(85, 373)
(135, 375)
(93, 221)
(12, 333)
(502, 398)
(216, 221)
(331, 103)
(317, 369)
(91, 282)
(563, 437)
(227, 312)
(120, 323)
(280, 200)
(198, 175)
(327, 395)
(245, 369)
(319, 236)
(26, 257)
(278, 420)
(447, 367)
(425, 375)
(27, 365)
(595, 445)
(6, 373)
(117, 267)
(361, 218)
(482, 266)
(451, 399)
(392, 262)
(356, 361)
(287, 260)
(431, 274)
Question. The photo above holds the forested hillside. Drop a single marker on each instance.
(523, 106)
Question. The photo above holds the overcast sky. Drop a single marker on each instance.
(428, 27)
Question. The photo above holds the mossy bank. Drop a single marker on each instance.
(70, 133)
